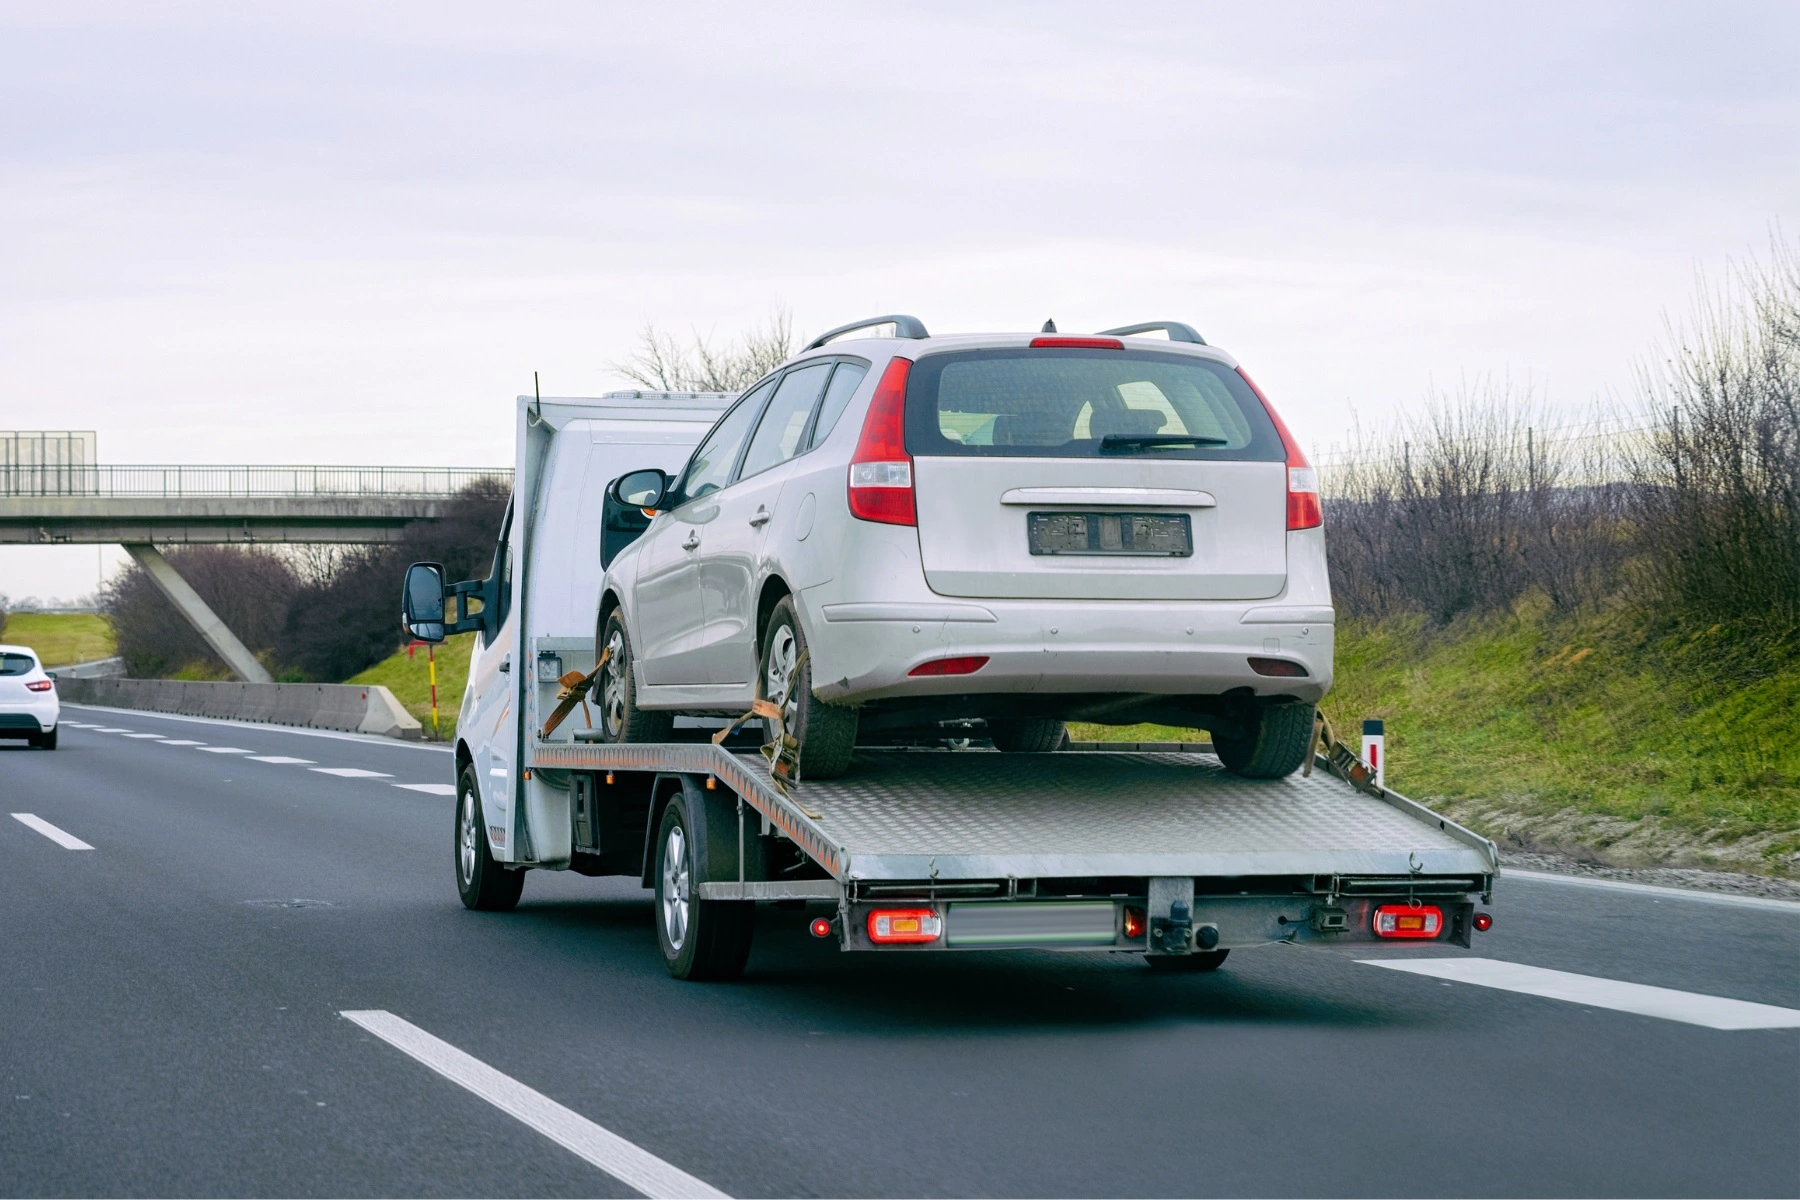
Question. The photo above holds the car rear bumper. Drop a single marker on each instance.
(35, 716)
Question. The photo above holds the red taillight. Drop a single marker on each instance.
(881, 482)
(967, 665)
(1303, 508)
(896, 925)
(1076, 343)
(1483, 922)
(1134, 923)
(1279, 667)
(1405, 921)
(821, 927)
(39, 685)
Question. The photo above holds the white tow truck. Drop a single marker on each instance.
(917, 847)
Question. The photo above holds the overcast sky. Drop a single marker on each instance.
(349, 233)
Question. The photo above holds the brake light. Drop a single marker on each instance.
(967, 665)
(1278, 667)
(1483, 922)
(1134, 923)
(1405, 921)
(891, 926)
(1303, 508)
(39, 685)
(881, 480)
(1076, 343)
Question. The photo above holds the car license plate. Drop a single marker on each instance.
(1166, 535)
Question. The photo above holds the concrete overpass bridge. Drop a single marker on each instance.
(142, 507)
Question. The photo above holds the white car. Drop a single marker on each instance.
(996, 533)
(28, 704)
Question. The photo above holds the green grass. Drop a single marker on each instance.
(407, 676)
(61, 639)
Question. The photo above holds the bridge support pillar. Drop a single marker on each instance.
(199, 614)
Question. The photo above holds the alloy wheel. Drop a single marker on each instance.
(466, 848)
(778, 679)
(675, 888)
(612, 693)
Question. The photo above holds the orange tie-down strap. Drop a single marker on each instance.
(576, 687)
(1344, 762)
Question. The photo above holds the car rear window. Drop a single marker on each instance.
(1024, 403)
(16, 664)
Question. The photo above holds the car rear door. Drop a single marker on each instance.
(1062, 474)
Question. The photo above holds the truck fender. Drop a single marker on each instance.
(713, 813)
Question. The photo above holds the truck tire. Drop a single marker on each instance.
(1275, 744)
(484, 884)
(827, 732)
(700, 939)
(621, 720)
(1183, 964)
(1031, 735)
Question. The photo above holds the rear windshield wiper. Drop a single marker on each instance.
(1154, 441)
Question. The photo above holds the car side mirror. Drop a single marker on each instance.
(422, 602)
(641, 489)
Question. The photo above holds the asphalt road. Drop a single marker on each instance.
(170, 1000)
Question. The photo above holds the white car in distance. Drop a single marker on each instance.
(916, 536)
(29, 708)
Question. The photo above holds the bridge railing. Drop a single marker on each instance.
(126, 480)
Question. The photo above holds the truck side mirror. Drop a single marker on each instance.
(641, 489)
(422, 601)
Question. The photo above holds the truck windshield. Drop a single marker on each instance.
(1025, 403)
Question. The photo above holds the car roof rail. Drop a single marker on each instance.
(904, 326)
(1175, 329)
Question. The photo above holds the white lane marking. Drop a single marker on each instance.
(624, 1161)
(109, 729)
(1714, 1012)
(282, 759)
(222, 750)
(180, 742)
(497, 772)
(368, 739)
(430, 789)
(67, 841)
(352, 773)
(1791, 907)
(157, 736)
(79, 725)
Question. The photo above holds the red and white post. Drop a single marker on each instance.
(1374, 749)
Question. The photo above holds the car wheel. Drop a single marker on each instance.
(1275, 742)
(700, 939)
(826, 732)
(621, 720)
(1033, 735)
(47, 741)
(1200, 960)
(484, 884)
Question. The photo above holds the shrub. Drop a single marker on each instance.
(249, 589)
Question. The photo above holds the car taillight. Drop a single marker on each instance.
(40, 685)
(897, 925)
(966, 665)
(1076, 343)
(1405, 921)
(881, 479)
(1303, 508)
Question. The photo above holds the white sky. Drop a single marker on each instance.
(349, 233)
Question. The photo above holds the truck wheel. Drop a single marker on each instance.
(827, 732)
(484, 884)
(1200, 960)
(1034, 735)
(700, 939)
(1277, 739)
(620, 717)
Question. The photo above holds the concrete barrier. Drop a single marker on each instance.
(351, 708)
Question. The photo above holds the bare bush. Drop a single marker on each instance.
(665, 364)
(249, 589)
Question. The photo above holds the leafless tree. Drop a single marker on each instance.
(663, 363)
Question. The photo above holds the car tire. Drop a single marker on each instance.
(826, 732)
(700, 939)
(1184, 964)
(47, 741)
(484, 884)
(1275, 743)
(621, 720)
(1031, 735)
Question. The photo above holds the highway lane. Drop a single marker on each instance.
(171, 1019)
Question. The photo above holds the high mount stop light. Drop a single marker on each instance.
(1303, 508)
(1409, 921)
(881, 471)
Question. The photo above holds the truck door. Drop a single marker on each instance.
(491, 724)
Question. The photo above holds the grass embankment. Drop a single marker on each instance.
(408, 677)
(60, 639)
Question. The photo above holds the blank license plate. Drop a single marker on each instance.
(1162, 534)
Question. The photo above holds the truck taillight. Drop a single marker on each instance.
(1303, 508)
(1405, 921)
(39, 685)
(881, 471)
(891, 926)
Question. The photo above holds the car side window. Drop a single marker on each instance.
(710, 468)
(843, 385)
(784, 421)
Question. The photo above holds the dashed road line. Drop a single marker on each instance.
(628, 1163)
(156, 736)
(222, 750)
(1714, 1012)
(283, 759)
(430, 789)
(181, 742)
(109, 729)
(67, 841)
(352, 773)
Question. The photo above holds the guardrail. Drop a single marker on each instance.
(179, 480)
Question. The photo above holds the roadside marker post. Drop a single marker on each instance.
(1374, 749)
